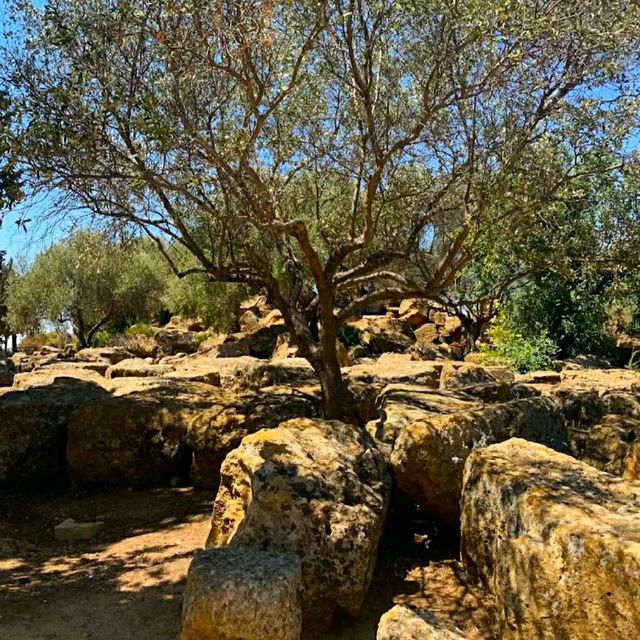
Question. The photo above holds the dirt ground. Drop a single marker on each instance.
(127, 583)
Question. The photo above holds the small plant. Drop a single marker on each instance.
(509, 348)
(100, 340)
(348, 336)
(141, 329)
(31, 343)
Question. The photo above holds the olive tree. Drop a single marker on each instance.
(86, 281)
(325, 151)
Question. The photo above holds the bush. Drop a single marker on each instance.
(141, 330)
(31, 343)
(509, 348)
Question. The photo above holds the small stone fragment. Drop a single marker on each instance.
(69, 530)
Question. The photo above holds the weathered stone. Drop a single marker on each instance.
(248, 321)
(428, 457)
(403, 623)
(600, 379)
(539, 377)
(232, 345)
(382, 333)
(215, 431)
(603, 428)
(400, 405)
(112, 355)
(150, 430)
(185, 324)
(137, 368)
(555, 540)
(33, 426)
(285, 348)
(172, 341)
(70, 531)
(427, 334)
(318, 489)
(366, 381)
(262, 341)
(242, 593)
(451, 330)
(136, 437)
(457, 375)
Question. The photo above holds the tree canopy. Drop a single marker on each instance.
(88, 282)
(324, 151)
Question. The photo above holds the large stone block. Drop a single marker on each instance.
(429, 454)
(555, 540)
(315, 488)
(403, 623)
(242, 594)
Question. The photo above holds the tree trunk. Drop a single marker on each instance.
(333, 388)
(327, 367)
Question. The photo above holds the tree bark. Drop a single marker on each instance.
(332, 385)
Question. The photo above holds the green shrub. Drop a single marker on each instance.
(141, 329)
(31, 343)
(509, 348)
(100, 340)
(349, 336)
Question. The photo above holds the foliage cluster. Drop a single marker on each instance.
(509, 348)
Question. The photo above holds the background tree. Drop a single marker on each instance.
(88, 282)
(319, 150)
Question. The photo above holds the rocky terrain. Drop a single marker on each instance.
(455, 501)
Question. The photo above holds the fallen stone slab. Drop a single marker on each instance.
(70, 531)
(244, 593)
(555, 540)
(403, 623)
(315, 488)
(429, 454)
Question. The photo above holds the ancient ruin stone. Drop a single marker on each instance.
(33, 429)
(457, 375)
(242, 593)
(382, 334)
(555, 540)
(137, 368)
(403, 623)
(429, 454)
(315, 488)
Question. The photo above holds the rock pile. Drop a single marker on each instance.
(538, 474)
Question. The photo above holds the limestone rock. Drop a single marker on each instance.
(137, 368)
(135, 438)
(290, 371)
(403, 623)
(366, 381)
(318, 489)
(171, 341)
(401, 405)
(232, 345)
(151, 430)
(382, 333)
(33, 426)
(242, 593)
(216, 430)
(70, 531)
(284, 348)
(6, 374)
(112, 355)
(429, 455)
(600, 379)
(457, 375)
(555, 540)
(427, 333)
(540, 377)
